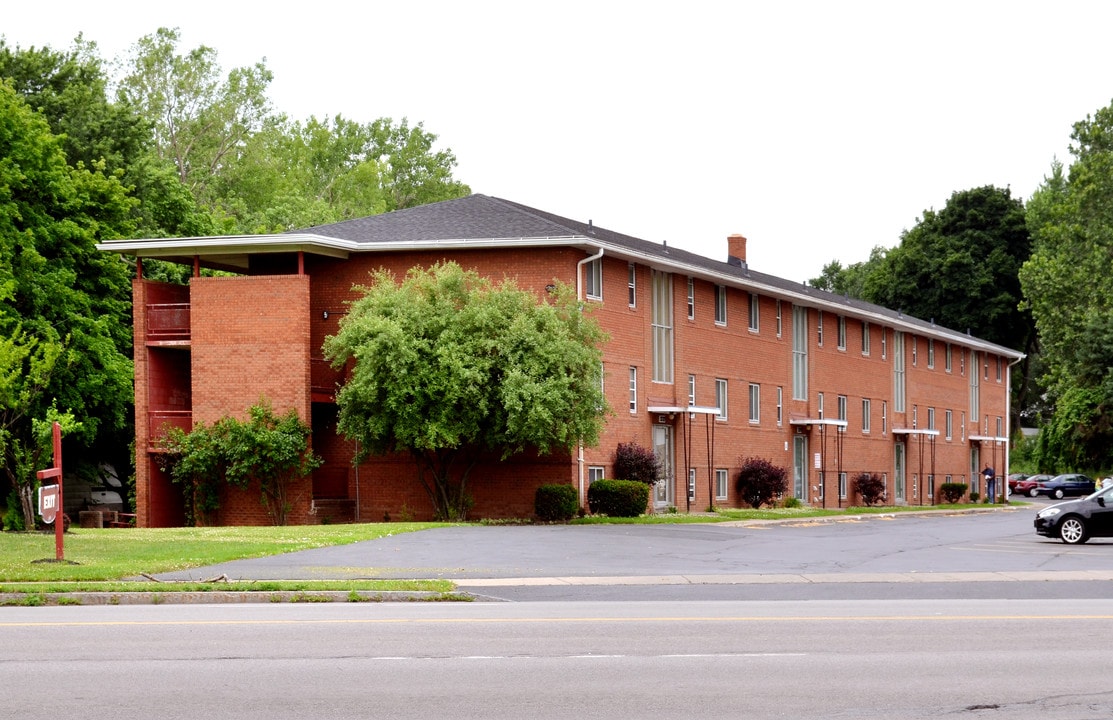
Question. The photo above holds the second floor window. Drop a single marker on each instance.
(721, 397)
(632, 282)
(755, 315)
(594, 279)
(720, 305)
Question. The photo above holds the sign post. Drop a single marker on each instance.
(50, 496)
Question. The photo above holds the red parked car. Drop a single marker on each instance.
(1027, 486)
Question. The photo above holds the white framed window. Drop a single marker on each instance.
(842, 485)
(962, 361)
(780, 405)
(947, 357)
(691, 390)
(819, 328)
(898, 371)
(915, 416)
(799, 353)
(755, 403)
(884, 343)
(865, 338)
(594, 473)
(985, 363)
(931, 418)
(842, 332)
(962, 427)
(948, 428)
(780, 321)
(914, 347)
(691, 483)
(755, 312)
(975, 387)
(633, 389)
(691, 298)
(931, 353)
(819, 405)
(865, 415)
(594, 280)
(884, 416)
(998, 368)
(720, 305)
(721, 397)
(1000, 427)
(842, 410)
(661, 322)
(632, 284)
(720, 484)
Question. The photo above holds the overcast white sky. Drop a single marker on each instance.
(817, 129)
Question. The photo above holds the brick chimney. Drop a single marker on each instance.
(736, 250)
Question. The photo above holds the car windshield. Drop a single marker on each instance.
(1105, 492)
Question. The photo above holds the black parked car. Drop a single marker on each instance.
(1066, 484)
(1076, 521)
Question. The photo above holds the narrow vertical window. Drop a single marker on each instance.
(842, 411)
(914, 351)
(898, 371)
(720, 305)
(931, 353)
(780, 405)
(594, 281)
(691, 298)
(755, 314)
(721, 397)
(819, 405)
(975, 387)
(865, 338)
(720, 484)
(780, 322)
(931, 418)
(865, 415)
(755, 403)
(884, 343)
(799, 353)
(998, 368)
(947, 357)
(842, 332)
(819, 328)
(632, 283)
(884, 416)
(691, 390)
(948, 424)
(842, 485)
(691, 483)
(661, 320)
(1000, 427)
(633, 389)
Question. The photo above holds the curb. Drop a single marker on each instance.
(214, 597)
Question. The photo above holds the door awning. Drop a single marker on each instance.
(696, 409)
(915, 431)
(818, 421)
(988, 438)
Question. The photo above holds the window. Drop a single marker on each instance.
(1000, 427)
(865, 338)
(691, 483)
(661, 312)
(633, 389)
(947, 357)
(948, 424)
(755, 314)
(931, 353)
(915, 413)
(962, 361)
(720, 305)
(720, 484)
(962, 427)
(632, 283)
(842, 332)
(898, 371)
(842, 410)
(985, 362)
(691, 390)
(842, 485)
(594, 473)
(780, 405)
(931, 418)
(691, 298)
(799, 353)
(865, 415)
(780, 323)
(819, 328)
(913, 351)
(819, 405)
(884, 344)
(721, 397)
(594, 280)
(755, 403)
(884, 416)
(974, 388)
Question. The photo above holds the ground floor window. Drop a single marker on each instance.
(720, 484)
(595, 472)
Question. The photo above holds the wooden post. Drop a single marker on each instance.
(56, 473)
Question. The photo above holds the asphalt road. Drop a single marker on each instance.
(983, 554)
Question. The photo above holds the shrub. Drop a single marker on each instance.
(870, 487)
(634, 462)
(618, 498)
(760, 481)
(556, 503)
(952, 492)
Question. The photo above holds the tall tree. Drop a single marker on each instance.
(449, 367)
(1069, 289)
(66, 304)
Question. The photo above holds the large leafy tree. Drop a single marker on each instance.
(1068, 286)
(449, 367)
(64, 305)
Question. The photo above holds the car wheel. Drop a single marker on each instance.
(1033, 493)
(1058, 493)
(1072, 530)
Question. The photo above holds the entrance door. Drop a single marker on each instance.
(898, 472)
(800, 467)
(663, 492)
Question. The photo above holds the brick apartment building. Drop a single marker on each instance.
(708, 362)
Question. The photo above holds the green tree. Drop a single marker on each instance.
(1069, 289)
(65, 304)
(268, 449)
(449, 367)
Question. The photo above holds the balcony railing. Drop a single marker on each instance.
(159, 420)
(168, 321)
